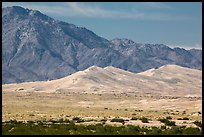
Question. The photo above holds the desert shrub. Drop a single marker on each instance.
(61, 120)
(75, 118)
(117, 120)
(133, 128)
(163, 127)
(197, 123)
(179, 119)
(191, 131)
(167, 122)
(176, 130)
(14, 121)
(168, 117)
(170, 123)
(80, 120)
(134, 118)
(103, 120)
(66, 121)
(144, 120)
(52, 120)
(155, 131)
(8, 128)
(185, 118)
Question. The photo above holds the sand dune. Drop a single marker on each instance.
(166, 80)
(86, 93)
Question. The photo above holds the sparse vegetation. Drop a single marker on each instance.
(134, 118)
(104, 120)
(198, 123)
(185, 118)
(167, 122)
(44, 128)
(78, 120)
(75, 118)
(117, 120)
(144, 120)
(168, 117)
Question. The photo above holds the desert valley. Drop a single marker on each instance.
(58, 78)
(109, 92)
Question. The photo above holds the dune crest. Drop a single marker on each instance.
(165, 80)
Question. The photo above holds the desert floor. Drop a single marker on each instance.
(24, 105)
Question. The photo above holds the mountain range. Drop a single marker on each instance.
(36, 47)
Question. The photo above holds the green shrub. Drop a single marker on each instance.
(103, 120)
(185, 118)
(31, 128)
(163, 127)
(167, 122)
(117, 120)
(80, 120)
(169, 117)
(191, 131)
(75, 118)
(197, 123)
(61, 120)
(66, 121)
(144, 120)
(134, 118)
(179, 119)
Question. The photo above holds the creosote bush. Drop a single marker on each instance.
(167, 122)
(45, 128)
(134, 118)
(169, 117)
(185, 118)
(144, 120)
(75, 118)
(197, 123)
(117, 120)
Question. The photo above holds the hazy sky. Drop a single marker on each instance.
(170, 23)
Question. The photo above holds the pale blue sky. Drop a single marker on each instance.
(170, 23)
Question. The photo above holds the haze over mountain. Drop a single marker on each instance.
(36, 47)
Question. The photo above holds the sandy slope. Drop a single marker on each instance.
(108, 92)
(166, 80)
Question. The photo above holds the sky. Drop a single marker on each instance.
(175, 24)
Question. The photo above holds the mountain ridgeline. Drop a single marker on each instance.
(36, 47)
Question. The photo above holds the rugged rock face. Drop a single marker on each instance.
(36, 47)
(155, 55)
